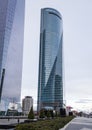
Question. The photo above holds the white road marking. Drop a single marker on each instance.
(81, 123)
(85, 129)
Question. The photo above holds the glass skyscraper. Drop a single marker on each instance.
(50, 83)
(11, 50)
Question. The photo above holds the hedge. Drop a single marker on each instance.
(50, 124)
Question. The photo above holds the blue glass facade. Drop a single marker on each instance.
(11, 49)
(50, 84)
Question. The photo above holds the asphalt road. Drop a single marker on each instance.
(79, 123)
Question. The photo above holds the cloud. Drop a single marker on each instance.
(84, 101)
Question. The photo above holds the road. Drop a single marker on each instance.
(79, 123)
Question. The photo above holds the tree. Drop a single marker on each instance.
(42, 113)
(31, 114)
(52, 114)
(48, 114)
(62, 112)
(56, 114)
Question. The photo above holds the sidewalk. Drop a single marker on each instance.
(79, 123)
(9, 123)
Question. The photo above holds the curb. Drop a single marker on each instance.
(66, 125)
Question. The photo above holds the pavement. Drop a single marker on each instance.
(79, 123)
(10, 121)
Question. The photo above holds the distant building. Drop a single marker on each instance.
(68, 109)
(11, 50)
(15, 106)
(27, 103)
(50, 81)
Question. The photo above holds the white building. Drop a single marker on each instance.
(27, 103)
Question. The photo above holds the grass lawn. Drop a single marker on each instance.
(48, 124)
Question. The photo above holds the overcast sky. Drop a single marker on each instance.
(77, 48)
